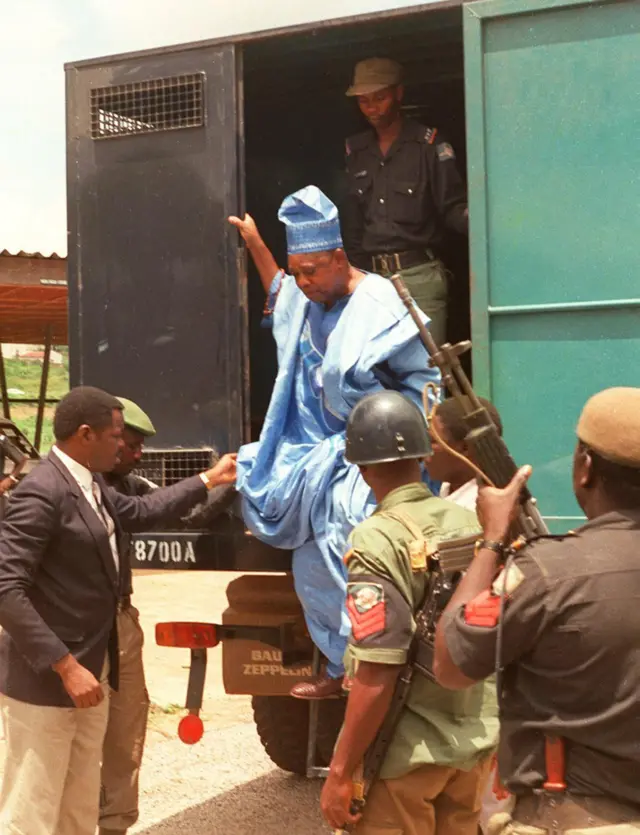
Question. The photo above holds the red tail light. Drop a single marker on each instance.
(186, 635)
(190, 729)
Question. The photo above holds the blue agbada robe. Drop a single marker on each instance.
(298, 492)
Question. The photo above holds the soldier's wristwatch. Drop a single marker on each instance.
(488, 545)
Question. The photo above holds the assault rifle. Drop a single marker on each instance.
(445, 566)
(11, 451)
(489, 450)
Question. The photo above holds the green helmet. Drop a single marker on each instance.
(136, 419)
(386, 426)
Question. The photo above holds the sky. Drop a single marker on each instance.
(39, 36)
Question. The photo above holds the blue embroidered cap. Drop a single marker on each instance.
(311, 221)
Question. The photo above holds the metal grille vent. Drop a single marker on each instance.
(148, 106)
(165, 467)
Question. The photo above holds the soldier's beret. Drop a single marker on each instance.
(610, 425)
(135, 418)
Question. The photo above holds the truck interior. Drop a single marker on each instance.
(296, 119)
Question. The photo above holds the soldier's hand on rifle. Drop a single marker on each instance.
(247, 228)
(497, 509)
(335, 801)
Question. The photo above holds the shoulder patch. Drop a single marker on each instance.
(430, 135)
(445, 151)
(366, 606)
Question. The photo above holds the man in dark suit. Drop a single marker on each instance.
(61, 586)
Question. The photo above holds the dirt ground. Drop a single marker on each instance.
(225, 784)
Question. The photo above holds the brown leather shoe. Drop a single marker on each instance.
(321, 687)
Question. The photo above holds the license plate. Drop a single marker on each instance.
(206, 552)
(166, 551)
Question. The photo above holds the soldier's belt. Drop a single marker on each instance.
(387, 263)
(567, 811)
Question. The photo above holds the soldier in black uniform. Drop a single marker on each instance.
(568, 637)
(403, 187)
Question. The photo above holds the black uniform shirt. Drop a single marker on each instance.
(400, 201)
(571, 647)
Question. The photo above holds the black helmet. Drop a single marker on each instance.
(386, 426)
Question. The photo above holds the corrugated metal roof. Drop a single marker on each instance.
(53, 257)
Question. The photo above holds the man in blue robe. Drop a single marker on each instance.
(340, 333)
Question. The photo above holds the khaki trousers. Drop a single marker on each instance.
(432, 800)
(126, 730)
(51, 780)
(502, 824)
(427, 284)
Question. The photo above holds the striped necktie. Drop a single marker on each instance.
(107, 521)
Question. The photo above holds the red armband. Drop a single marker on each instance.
(483, 610)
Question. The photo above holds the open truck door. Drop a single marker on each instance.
(154, 150)
(553, 120)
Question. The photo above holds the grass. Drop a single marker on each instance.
(26, 376)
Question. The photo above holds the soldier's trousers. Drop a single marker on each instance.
(427, 283)
(126, 730)
(432, 800)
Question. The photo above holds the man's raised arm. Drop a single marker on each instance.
(260, 252)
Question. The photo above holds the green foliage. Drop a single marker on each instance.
(26, 375)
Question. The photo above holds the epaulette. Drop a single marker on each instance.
(556, 537)
(522, 546)
(430, 135)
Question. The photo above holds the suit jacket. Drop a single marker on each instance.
(59, 587)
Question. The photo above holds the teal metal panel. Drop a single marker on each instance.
(553, 135)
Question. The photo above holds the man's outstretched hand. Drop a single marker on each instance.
(224, 471)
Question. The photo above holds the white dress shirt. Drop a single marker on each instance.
(465, 496)
(91, 492)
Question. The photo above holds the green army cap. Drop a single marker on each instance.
(374, 74)
(135, 418)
